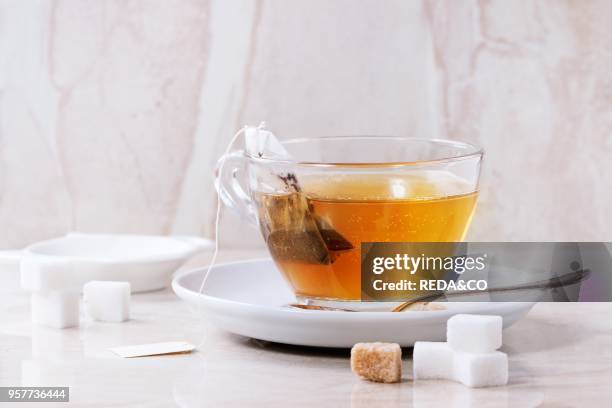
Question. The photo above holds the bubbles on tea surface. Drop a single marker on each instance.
(418, 185)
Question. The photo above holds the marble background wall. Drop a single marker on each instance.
(112, 113)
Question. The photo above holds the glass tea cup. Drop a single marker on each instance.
(315, 208)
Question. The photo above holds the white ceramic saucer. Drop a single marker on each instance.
(249, 298)
(147, 262)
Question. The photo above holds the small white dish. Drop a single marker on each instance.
(147, 262)
(250, 297)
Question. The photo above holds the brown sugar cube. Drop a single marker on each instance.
(380, 362)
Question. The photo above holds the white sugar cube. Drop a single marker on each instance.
(58, 309)
(468, 356)
(474, 333)
(432, 360)
(481, 369)
(107, 301)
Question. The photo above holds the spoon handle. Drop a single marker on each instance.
(555, 282)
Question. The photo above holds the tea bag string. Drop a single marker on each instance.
(213, 260)
(228, 149)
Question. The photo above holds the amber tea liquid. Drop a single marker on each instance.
(315, 236)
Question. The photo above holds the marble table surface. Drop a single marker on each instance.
(560, 356)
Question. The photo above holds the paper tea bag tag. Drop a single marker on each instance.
(263, 143)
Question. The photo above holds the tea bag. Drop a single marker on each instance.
(291, 230)
(262, 143)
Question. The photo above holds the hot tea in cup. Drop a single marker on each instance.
(315, 210)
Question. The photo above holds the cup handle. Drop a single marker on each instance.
(230, 181)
